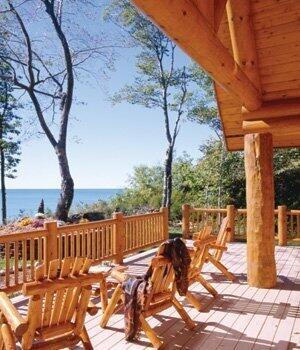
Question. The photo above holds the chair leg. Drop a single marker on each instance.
(206, 285)
(222, 268)
(150, 333)
(87, 345)
(103, 295)
(193, 300)
(8, 337)
(184, 315)
(111, 306)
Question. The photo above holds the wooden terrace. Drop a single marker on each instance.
(251, 49)
(241, 317)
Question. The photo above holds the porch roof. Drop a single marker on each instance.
(251, 48)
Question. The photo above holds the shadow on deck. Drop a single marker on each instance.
(241, 317)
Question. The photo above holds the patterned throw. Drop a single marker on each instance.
(137, 288)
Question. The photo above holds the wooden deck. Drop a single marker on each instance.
(241, 317)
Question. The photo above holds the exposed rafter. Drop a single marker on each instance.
(212, 10)
(184, 23)
(242, 38)
(219, 11)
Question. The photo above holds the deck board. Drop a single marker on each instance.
(240, 318)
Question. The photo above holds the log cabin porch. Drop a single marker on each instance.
(241, 317)
(251, 49)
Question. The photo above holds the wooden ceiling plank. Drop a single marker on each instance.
(184, 23)
(282, 94)
(274, 109)
(242, 38)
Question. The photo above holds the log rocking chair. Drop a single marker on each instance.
(160, 297)
(57, 308)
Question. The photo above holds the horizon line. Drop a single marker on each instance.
(75, 188)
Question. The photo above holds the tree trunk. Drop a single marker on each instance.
(167, 190)
(3, 188)
(67, 185)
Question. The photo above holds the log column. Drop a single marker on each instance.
(260, 210)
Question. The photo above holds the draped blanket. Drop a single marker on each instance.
(137, 288)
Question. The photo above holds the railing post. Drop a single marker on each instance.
(186, 208)
(231, 221)
(165, 213)
(50, 246)
(119, 237)
(282, 225)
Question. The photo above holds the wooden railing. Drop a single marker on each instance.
(105, 240)
(287, 222)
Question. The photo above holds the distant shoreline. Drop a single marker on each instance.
(22, 202)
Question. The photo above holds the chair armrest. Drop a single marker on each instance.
(218, 247)
(210, 239)
(118, 275)
(17, 323)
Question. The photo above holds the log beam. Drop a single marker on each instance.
(242, 38)
(286, 126)
(212, 10)
(207, 9)
(276, 109)
(185, 24)
(260, 210)
(219, 11)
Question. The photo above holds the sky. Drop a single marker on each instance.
(105, 142)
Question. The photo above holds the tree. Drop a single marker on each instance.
(205, 112)
(45, 57)
(159, 82)
(205, 109)
(9, 130)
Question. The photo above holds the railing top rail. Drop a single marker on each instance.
(18, 236)
(142, 216)
(294, 212)
(86, 225)
(241, 211)
(208, 210)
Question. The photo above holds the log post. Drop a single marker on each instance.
(186, 208)
(119, 237)
(260, 210)
(282, 225)
(165, 212)
(50, 247)
(231, 221)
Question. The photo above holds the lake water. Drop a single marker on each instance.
(26, 202)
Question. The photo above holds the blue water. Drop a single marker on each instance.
(22, 202)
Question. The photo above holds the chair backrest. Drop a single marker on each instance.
(222, 238)
(197, 258)
(203, 233)
(58, 302)
(161, 279)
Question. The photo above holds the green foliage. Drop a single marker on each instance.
(159, 82)
(205, 109)
(216, 179)
(9, 124)
(144, 193)
(287, 177)
(162, 82)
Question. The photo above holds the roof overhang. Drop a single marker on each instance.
(251, 49)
